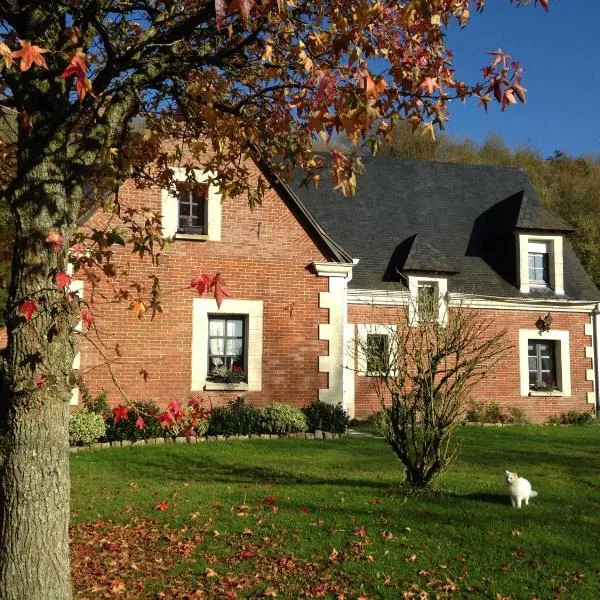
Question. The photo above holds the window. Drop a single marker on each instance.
(226, 346)
(542, 365)
(191, 211)
(538, 263)
(378, 352)
(230, 337)
(192, 208)
(427, 302)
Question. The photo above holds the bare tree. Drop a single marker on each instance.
(423, 368)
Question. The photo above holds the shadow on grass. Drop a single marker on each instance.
(486, 498)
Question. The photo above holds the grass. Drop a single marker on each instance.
(328, 519)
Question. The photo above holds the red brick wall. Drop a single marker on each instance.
(503, 384)
(263, 254)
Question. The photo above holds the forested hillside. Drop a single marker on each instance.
(568, 185)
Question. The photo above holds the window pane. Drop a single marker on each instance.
(216, 346)
(216, 327)
(234, 347)
(377, 352)
(235, 328)
(427, 302)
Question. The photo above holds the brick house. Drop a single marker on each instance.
(311, 272)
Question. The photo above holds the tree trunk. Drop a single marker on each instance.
(35, 386)
(34, 504)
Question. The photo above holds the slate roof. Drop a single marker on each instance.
(455, 220)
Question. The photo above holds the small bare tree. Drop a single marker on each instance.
(424, 367)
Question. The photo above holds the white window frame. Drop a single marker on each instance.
(253, 311)
(363, 331)
(414, 281)
(170, 209)
(554, 247)
(563, 361)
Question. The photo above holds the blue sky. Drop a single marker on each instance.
(561, 54)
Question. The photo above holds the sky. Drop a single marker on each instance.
(560, 52)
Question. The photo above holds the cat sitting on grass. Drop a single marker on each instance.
(519, 489)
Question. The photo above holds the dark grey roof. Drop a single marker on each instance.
(533, 215)
(417, 215)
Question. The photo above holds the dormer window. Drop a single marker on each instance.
(539, 263)
(192, 208)
(428, 297)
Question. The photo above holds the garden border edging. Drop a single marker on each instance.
(317, 435)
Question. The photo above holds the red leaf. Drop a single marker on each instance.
(244, 554)
(201, 283)
(27, 309)
(360, 532)
(87, 318)
(55, 240)
(175, 409)
(120, 413)
(40, 381)
(76, 67)
(166, 420)
(140, 423)
(62, 280)
(219, 288)
(164, 505)
(30, 55)
(544, 4)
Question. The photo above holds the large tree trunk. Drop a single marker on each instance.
(34, 454)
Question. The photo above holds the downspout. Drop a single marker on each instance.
(596, 360)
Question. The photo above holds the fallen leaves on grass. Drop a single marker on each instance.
(144, 560)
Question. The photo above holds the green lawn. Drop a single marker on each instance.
(290, 519)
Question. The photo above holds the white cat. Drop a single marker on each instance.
(519, 489)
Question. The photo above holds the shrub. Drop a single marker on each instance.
(572, 417)
(237, 418)
(189, 423)
(280, 418)
(98, 405)
(482, 412)
(85, 427)
(517, 416)
(326, 417)
(126, 429)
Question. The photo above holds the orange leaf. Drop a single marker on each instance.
(29, 55)
(139, 308)
(55, 240)
(164, 505)
(6, 54)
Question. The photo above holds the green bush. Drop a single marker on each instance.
(572, 417)
(280, 418)
(326, 417)
(126, 429)
(237, 418)
(492, 412)
(98, 405)
(85, 427)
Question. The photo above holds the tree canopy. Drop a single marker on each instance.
(216, 82)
